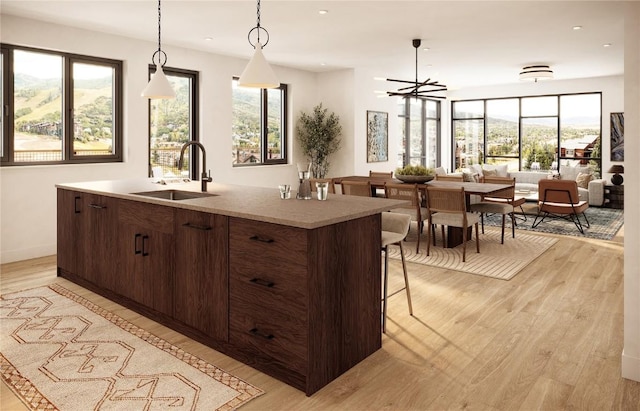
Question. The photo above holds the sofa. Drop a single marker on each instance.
(590, 189)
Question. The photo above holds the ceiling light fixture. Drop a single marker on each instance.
(577, 27)
(159, 87)
(323, 12)
(535, 73)
(258, 73)
(418, 89)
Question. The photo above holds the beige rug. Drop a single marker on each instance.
(495, 260)
(60, 351)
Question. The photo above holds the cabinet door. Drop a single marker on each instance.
(201, 272)
(146, 237)
(70, 247)
(101, 239)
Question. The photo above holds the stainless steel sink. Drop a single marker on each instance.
(175, 195)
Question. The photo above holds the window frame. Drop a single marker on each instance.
(559, 127)
(264, 127)
(405, 118)
(68, 59)
(194, 110)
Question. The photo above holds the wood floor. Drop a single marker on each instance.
(549, 339)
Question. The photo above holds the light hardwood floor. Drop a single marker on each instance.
(549, 339)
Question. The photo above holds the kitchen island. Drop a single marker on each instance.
(289, 287)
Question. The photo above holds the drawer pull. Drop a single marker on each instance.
(257, 333)
(197, 227)
(76, 209)
(261, 239)
(262, 282)
(145, 252)
(97, 206)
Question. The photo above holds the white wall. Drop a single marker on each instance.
(631, 351)
(28, 200)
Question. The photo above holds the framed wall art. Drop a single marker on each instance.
(617, 136)
(377, 136)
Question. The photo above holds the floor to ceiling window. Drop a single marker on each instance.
(420, 131)
(172, 123)
(529, 133)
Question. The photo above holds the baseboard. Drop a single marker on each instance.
(630, 367)
(10, 256)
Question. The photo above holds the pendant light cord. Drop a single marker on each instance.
(258, 28)
(159, 52)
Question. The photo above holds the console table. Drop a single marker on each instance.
(614, 196)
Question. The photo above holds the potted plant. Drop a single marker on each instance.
(318, 134)
(414, 174)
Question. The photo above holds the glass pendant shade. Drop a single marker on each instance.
(159, 86)
(258, 72)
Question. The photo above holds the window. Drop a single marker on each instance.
(420, 131)
(172, 123)
(529, 133)
(62, 108)
(258, 131)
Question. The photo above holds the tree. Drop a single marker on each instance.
(318, 134)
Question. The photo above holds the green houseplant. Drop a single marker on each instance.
(414, 174)
(319, 137)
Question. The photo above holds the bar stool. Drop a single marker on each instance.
(395, 227)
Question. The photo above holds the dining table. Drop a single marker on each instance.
(454, 234)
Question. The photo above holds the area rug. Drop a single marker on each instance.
(60, 351)
(495, 260)
(605, 223)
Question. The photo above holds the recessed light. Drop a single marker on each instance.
(323, 64)
(208, 38)
(323, 12)
(577, 27)
(606, 45)
(380, 78)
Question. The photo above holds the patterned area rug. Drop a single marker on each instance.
(605, 223)
(60, 351)
(495, 260)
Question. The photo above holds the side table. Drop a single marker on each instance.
(614, 196)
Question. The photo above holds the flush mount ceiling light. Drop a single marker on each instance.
(417, 89)
(258, 73)
(535, 73)
(159, 87)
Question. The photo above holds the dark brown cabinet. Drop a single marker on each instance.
(614, 196)
(200, 290)
(147, 250)
(302, 305)
(88, 236)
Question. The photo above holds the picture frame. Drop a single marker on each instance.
(377, 136)
(617, 136)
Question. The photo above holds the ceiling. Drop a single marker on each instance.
(471, 43)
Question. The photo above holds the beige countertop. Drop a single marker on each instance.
(254, 203)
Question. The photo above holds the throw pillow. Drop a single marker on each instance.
(583, 180)
(440, 171)
(476, 169)
(490, 173)
(468, 177)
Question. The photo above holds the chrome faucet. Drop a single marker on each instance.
(205, 178)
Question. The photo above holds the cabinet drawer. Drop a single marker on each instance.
(254, 325)
(273, 251)
(149, 216)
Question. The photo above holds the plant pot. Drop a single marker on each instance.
(414, 179)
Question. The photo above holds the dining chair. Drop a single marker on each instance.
(559, 199)
(414, 209)
(395, 228)
(329, 181)
(356, 188)
(441, 177)
(447, 206)
(500, 202)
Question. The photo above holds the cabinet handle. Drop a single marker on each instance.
(262, 282)
(75, 205)
(261, 239)
(144, 245)
(257, 333)
(197, 227)
(98, 206)
(135, 244)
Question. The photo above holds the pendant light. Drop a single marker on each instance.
(418, 89)
(258, 72)
(159, 86)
